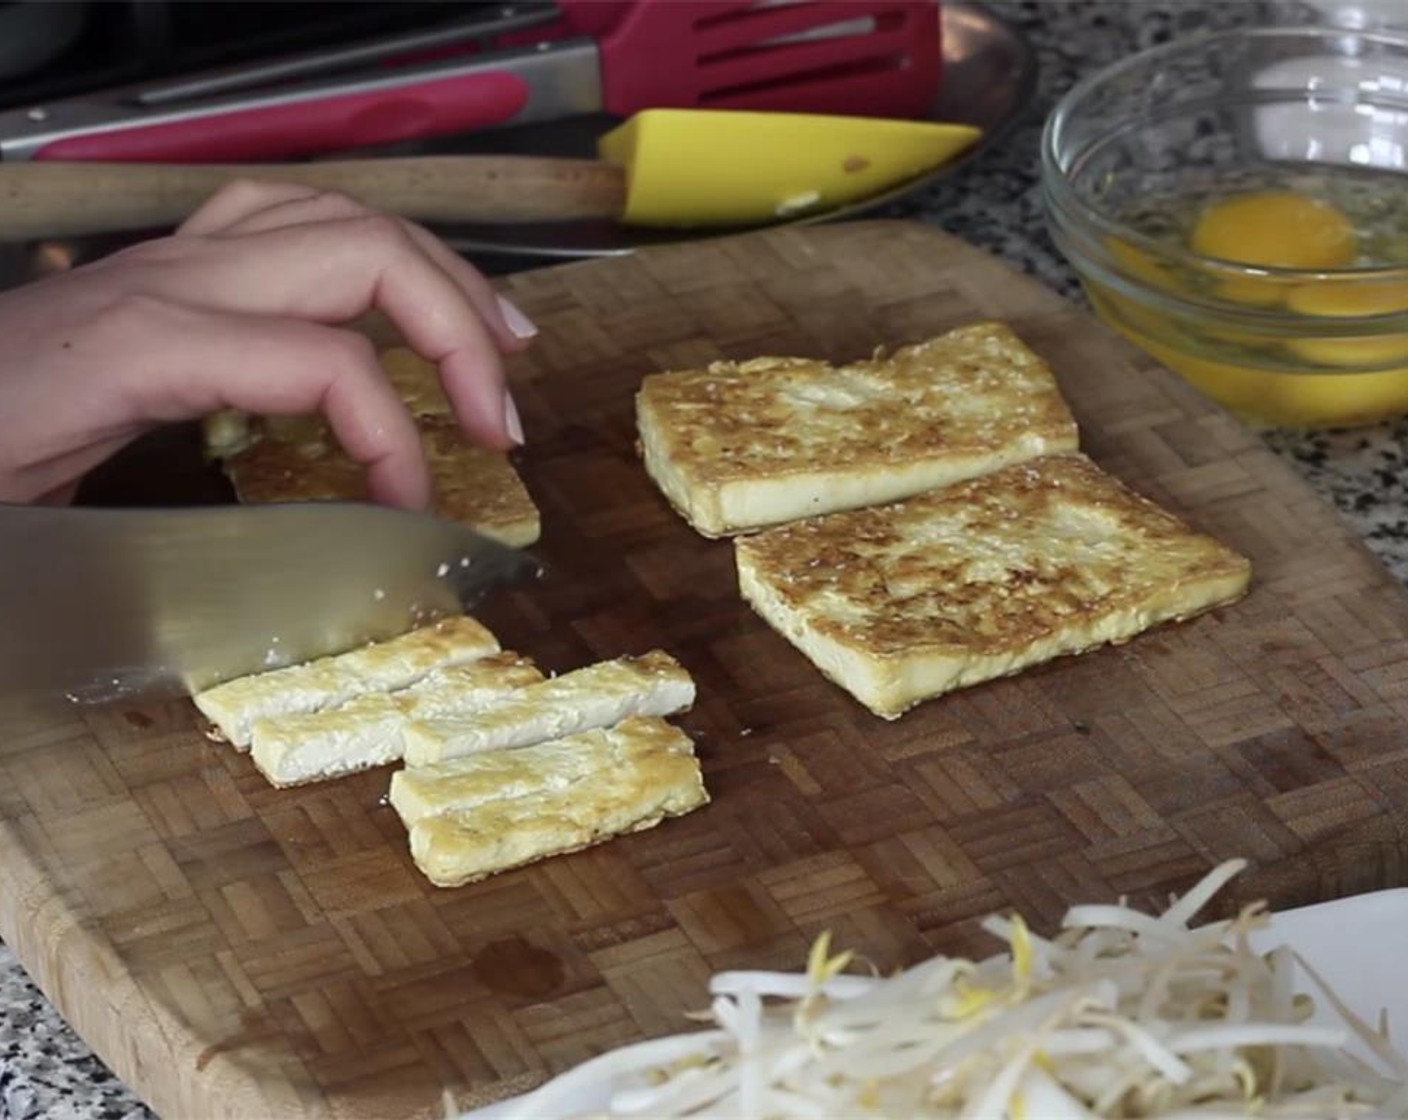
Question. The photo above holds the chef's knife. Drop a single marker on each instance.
(102, 604)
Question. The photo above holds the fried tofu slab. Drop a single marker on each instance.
(741, 445)
(904, 602)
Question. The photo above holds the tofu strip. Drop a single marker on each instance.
(597, 696)
(505, 809)
(367, 730)
(234, 706)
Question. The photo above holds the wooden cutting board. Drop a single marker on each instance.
(235, 950)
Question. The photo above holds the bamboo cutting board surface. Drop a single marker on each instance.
(235, 950)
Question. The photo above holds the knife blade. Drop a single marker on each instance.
(106, 604)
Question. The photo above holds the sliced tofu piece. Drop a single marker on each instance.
(366, 731)
(980, 579)
(463, 783)
(600, 695)
(513, 807)
(233, 707)
(473, 485)
(740, 445)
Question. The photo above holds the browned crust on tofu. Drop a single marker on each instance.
(741, 420)
(416, 380)
(647, 772)
(297, 459)
(472, 485)
(1030, 562)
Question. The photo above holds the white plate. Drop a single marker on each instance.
(1356, 944)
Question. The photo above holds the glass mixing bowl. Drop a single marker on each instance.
(1237, 205)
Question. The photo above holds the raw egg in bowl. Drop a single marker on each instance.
(1237, 205)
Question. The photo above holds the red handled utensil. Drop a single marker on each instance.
(857, 57)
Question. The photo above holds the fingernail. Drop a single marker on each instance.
(518, 323)
(512, 421)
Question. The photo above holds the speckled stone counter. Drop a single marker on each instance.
(47, 1072)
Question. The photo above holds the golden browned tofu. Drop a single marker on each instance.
(746, 444)
(599, 695)
(416, 380)
(981, 579)
(368, 730)
(313, 686)
(297, 458)
(472, 485)
(489, 812)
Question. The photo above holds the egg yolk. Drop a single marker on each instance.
(1272, 229)
(1255, 291)
(1276, 229)
(1349, 298)
(1310, 377)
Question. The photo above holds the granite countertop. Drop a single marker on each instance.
(47, 1072)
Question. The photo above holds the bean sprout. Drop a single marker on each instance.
(1122, 1015)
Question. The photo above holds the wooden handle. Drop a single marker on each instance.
(53, 199)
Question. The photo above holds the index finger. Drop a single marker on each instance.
(213, 360)
(238, 200)
(511, 329)
(333, 271)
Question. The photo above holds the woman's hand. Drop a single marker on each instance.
(243, 308)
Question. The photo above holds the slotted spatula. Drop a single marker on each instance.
(876, 58)
(860, 57)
